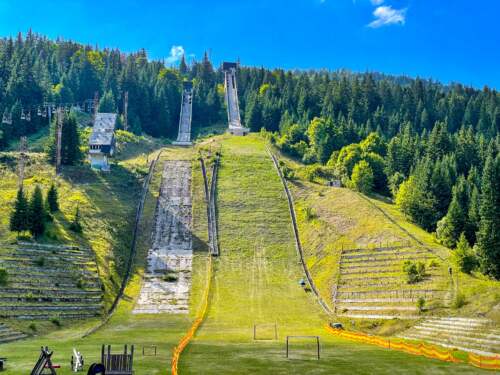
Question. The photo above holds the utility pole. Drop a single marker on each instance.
(59, 114)
(125, 111)
(96, 103)
(23, 148)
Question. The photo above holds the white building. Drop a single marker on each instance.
(102, 140)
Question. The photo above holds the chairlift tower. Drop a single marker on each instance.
(23, 148)
(125, 111)
(59, 115)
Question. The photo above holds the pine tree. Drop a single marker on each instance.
(183, 68)
(107, 103)
(70, 150)
(489, 227)
(19, 219)
(37, 214)
(52, 199)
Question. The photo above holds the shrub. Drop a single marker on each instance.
(80, 284)
(310, 214)
(56, 322)
(421, 304)
(170, 277)
(459, 301)
(75, 225)
(464, 257)
(415, 272)
(362, 177)
(32, 326)
(433, 263)
(40, 261)
(4, 277)
(288, 172)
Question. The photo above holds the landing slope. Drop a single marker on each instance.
(256, 282)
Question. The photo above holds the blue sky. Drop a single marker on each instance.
(447, 40)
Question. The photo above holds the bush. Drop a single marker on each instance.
(40, 261)
(421, 304)
(56, 322)
(459, 301)
(362, 177)
(4, 277)
(170, 277)
(415, 272)
(32, 326)
(464, 257)
(288, 173)
(310, 214)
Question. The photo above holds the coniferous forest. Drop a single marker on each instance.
(433, 148)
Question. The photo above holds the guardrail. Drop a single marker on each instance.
(298, 244)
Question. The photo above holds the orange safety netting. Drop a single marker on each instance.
(486, 362)
(197, 322)
(415, 349)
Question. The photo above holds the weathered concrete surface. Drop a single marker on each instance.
(167, 280)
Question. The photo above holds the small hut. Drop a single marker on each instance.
(102, 140)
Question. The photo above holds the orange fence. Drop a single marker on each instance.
(415, 349)
(197, 322)
(490, 363)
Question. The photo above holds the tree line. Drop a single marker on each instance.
(434, 148)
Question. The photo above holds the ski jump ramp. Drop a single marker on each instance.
(231, 96)
(184, 137)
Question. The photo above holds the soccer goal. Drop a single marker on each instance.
(265, 331)
(302, 347)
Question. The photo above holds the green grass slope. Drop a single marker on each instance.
(256, 282)
(332, 219)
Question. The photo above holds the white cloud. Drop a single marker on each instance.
(386, 15)
(176, 53)
(377, 2)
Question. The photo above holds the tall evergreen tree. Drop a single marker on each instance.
(19, 219)
(52, 199)
(488, 244)
(37, 214)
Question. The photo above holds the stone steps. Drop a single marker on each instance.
(8, 292)
(59, 315)
(63, 299)
(379, 316)
(388, 256)
(455, 334)
(477, 335)
(8, 334)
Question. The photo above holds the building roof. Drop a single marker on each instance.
(229, 65)
(103, 130)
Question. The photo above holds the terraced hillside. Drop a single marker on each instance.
(372, 285)
(48, 282)
(480, 336)
(7, 334)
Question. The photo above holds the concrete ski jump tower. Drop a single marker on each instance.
(233, 108)
(184, 137)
